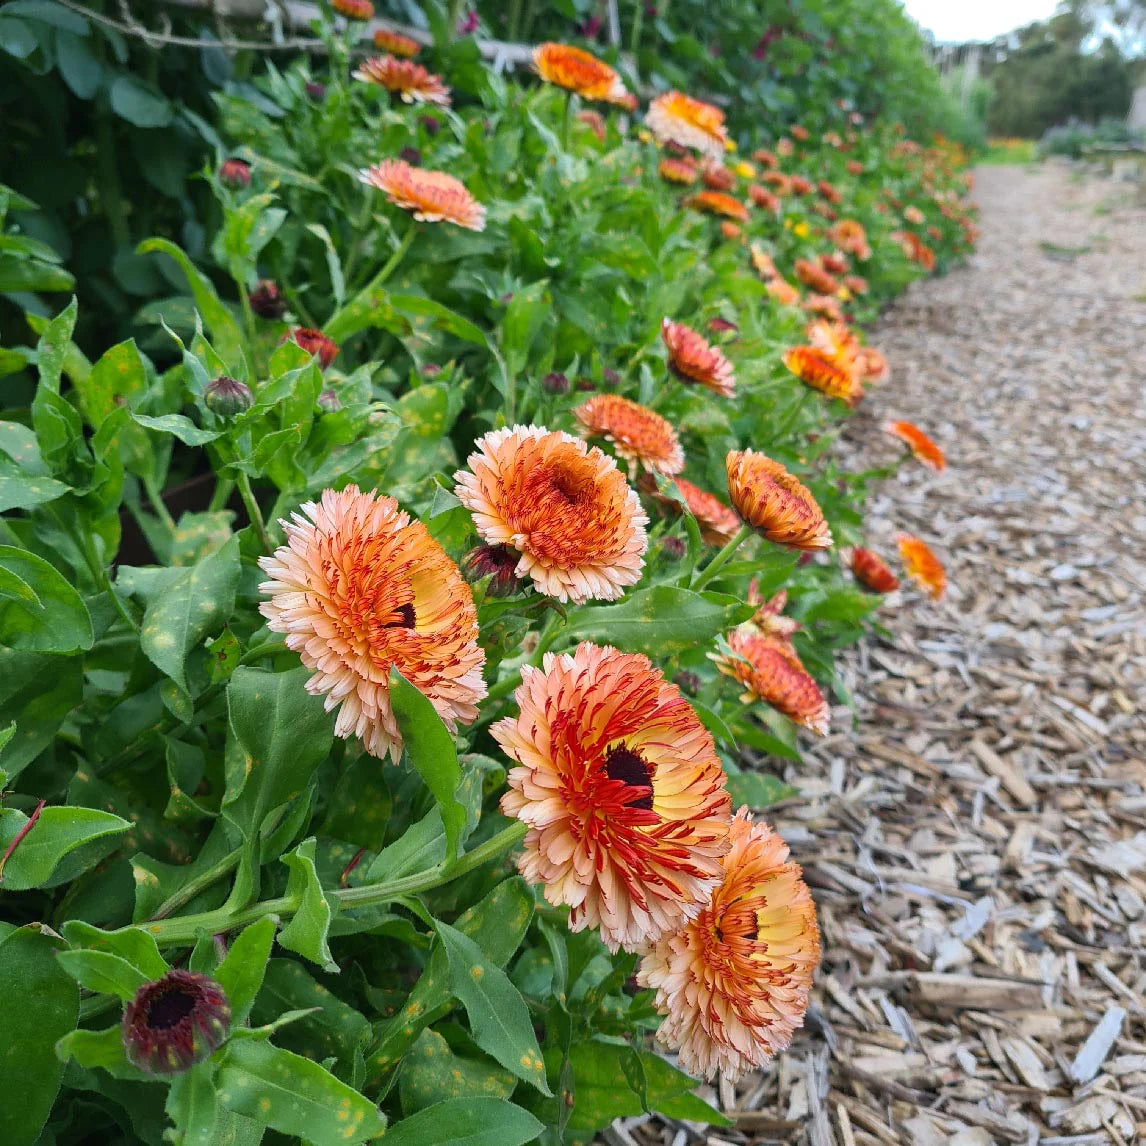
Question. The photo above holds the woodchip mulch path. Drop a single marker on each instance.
(976, 837)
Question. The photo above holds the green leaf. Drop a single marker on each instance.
(82, 72)
(180, 426)
(57, 847)
(660, 621)
(134, 944)
(241, 972)
(43, 1005)
(431, 751)
(21, 490)
(758, 790)
(16, 38)
(431, 1073)
(37, 690)
(52, 618)
(307, 931)
(419, 309)
(293, 1095)
(103, 972)
(19, 443)
(524, 316)
(421, 847)
(499, 1018)
(102, 1049)
(466, 1122)
(17, 274)
(139, 104)
(193, 605)
(193, 1106)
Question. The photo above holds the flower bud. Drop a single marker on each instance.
(359, 10)
(235, 173)
(687, 682)
(329, 401)
(267, 300)
(555, 383)
(673, 548)
(610, 378)
(175, 1022)
(430, 124)
(228, 397)
(499, 564)
(316, 91)
(314, 342)
(411, 155)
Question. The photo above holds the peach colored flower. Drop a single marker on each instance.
(799, 132)
(783, 292)
(395, 44)
(359, 10)
(871, 571)
(594, 121)
(687, 122)
(765, 158)
(814, 276)
(854, 167)
(622, 790)
(778, 181)
(801, 186)
(717, 177)
(637, 434)
(824, 373)
(769, 617)
(834, 262)
(872, 365)
(829, 192)
(734, 982)
(770, 670)
(717, 203)
(922, 566)
(578, 71)
(824, 305)
(404, 78)
(678, 170)
(763, 198)
(924, 449)
(850, 236)
(432, 196)
(913, 215)
(565, 508)
(359, 589)
(730, 230)
(856, 284)
(772, 501)
(718, 524)
(693, 359)
(762, 263)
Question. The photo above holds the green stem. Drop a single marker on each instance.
(513, 21)
(183, 930)
(224, 487)
(789, 422)
(332, 327)
(155, 496)
(253, 511)
(721, 559)
(635, 30)
(200, 883)
(248, 314)
(567, 122)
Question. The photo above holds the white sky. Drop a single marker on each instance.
(961, 20)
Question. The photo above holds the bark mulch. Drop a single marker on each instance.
(976, 837)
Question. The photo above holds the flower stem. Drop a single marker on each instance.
(721, 559)
(567, 122)
(253, 511)
(183, 930)
(790, 421)
(20, 835)
(333, 327)
(156, 498)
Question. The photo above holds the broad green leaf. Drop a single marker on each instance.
(466, 1122)
(54, 620)
(432, 1073)
(61, 843)
(42, 1004)
(32, 275)
(193, 1106)
(428, 312)
(52, 349)
(191, 607)
(660, 621)
(37, 690)
(308, 929)
(103, 972)
(241, 972)
(758, 790)
(499, 1018)
(82, 72)
(22, 490)
(431, 751)
(524, 316)
(134, 944)
(139, 104)
(421, 847)
(180, 426)
(19, 443)
(293, 1095)
(103, 1049)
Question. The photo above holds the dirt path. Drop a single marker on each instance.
(977, 842)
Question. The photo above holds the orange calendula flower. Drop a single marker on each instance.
(432, 196)
(824, 305)
(829, 192)
(872, 365)
(924, 449)
(578, 71)
(730, 230)
(770, 670)
(814, 276)
(387, 40)
(678, 171)
(734, 982)
(565, 508)
(692, 359)
(769, 617)
(856, 284)
(718, 524)
(922, 566)
(778, 181)
(762, 263)
(623, 793)
(802, 186)
(913, 215)
(783, 292)
(774, 503)
(360, 589)
(717, 177)
(834, 262)
(404, 78)
(799, 132)
(854, 167)
(871, 571)
(638, 434)
(360, 10)
(765, 158)
(717, 203)
(687, 122)
(763, 198)
(824, 373)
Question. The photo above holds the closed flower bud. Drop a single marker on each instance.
(314, 342)
(586, 384)
(687, 682)
(175, 1022)
(235, 173)
(555, 383)
(673, 548)
(610, 378)
(411, 155)
(499, 564)
(228, 397)
(316, 92)
(430, 124)
(329, 401)
(267, 300)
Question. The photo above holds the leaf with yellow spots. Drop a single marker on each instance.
(431, 1072)
(466, 1122)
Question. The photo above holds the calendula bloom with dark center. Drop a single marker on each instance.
(922, 566)
(693, 359)
(267, 299)
(358, 10)
(776, 504)
(638, 434)
(395, 44)
(872, 364)
(174, 1022)
(499, 564)
(814, 276)
(763, 198)
(924, 449)
(820, 371)
(734, 983)
(404, 78)
(432, 196)
(360, 589)
(565, 509)
(673, 170)
(622, 790)
(313, 342)
(717, 177)
(770, 670)
(578, 71)
(687, 122)
(718, 203)
(871, 571)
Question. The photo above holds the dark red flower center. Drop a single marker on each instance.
(170, 1009)
(407, 618)
(631, 769)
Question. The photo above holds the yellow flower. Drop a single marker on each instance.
(745, 170)
(801, 230)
